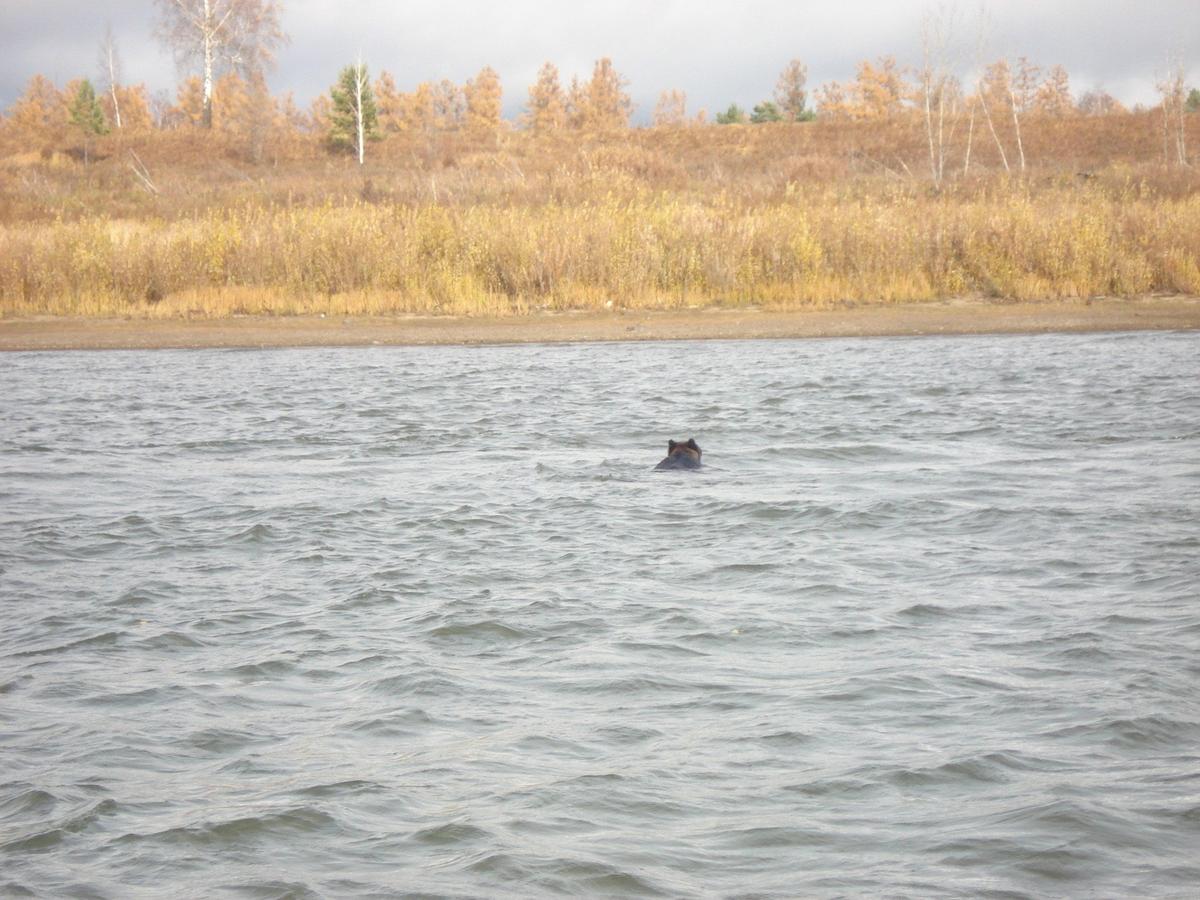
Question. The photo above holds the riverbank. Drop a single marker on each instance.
(950, 317)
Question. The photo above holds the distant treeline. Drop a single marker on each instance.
(230, 45)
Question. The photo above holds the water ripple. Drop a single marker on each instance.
(425, 621)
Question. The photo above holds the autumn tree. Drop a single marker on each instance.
(877, 92)
(482, 97)
(449, 105)
(353, 120)
(605, 104)
(319, 116)
(292, 119)
(417, 112)
(791, 95)
(230, 100)
(1026, 80)
(40, 113)
(1098, 102)
(547, 106)
(135, 104)
(671, 109)
(1053, 96)
(388, 103)
(163, 112)
(220, 34)
(189, 106)
(247, 113)
(576, 105)
(832, 101)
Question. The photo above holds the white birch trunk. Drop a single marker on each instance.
(933, 169)
(110, 57)
(358, 110)
(1180, 131)
(1012, 100)
(987, 113)
(970, 138)
(209, 37)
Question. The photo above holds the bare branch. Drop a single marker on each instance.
(221, 34)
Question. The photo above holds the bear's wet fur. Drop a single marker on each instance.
(681, 455)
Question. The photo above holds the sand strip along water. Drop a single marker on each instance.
(949, 317)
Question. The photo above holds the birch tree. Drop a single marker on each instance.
(1022, 89)
(791, 93)
(220, 34)
(993, 87)
(354, 119)
(1174, 104)
(936, 84)
(110, 73)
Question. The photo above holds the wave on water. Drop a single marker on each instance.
(425, 621)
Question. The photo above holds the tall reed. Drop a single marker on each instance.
(635, 248)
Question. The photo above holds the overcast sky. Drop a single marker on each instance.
(716, 51)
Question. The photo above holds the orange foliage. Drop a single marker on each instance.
(40, 114)
(482, 97)
(671, 109)
(547, 106)
(1054, 95)
(602, 104)
(878, 92)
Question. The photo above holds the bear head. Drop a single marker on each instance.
(681, 455)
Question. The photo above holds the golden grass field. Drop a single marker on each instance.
(795, 216)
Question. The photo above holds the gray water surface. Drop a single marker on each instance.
(324, 623)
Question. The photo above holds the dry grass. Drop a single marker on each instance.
(783, 216)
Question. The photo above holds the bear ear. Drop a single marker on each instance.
(692, 443)
(670, 446)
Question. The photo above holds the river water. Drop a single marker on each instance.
(381, 622)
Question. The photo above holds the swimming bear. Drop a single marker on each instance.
(681, 455)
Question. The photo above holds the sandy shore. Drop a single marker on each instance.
(950, 317)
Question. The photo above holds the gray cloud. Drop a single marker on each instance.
(718, 52)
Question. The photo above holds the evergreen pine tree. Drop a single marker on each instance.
(86, 115)
(766, 112)
(735, 115)
(85, 111)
